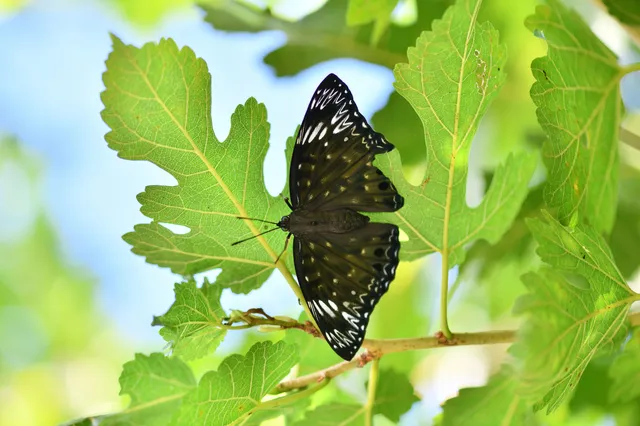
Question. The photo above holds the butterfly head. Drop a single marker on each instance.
(284, 223)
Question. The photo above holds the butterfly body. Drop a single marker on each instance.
(303, 222)
(344, 262)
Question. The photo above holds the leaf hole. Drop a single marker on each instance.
(176, 229)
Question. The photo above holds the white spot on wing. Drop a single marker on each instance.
(326, 308)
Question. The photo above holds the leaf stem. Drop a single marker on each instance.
(630, 68)
(629, 138)
(293, 397)
(444, 289)
(371, 392)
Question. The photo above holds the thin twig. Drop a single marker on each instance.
(371, 392)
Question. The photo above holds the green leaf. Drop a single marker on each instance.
(322, 35)
(289, 412)
(366, 11)
(594, 383)
(394, 395)
(625, 239)
(315, 354)
(192, 323)
(236, 389)
(580, 112)
(625, 235)
(581, 306)
(494, 271)
(158, 106)
(453, 74)
(625, 372)
(146, 13)
(407, 137)
(334, 414)
(157, 386)
(497, 403)
(625, 11)
(7, 6)
(411, 320)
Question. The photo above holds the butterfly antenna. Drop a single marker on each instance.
(286, 200)
(286, 243)
(255, 236)
(259, 220)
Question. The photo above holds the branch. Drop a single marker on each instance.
(376, 348)
(265, 322)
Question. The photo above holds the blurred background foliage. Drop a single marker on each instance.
(62, 349)
(55, 339)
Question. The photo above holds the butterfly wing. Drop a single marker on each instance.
(343, 276)
(331, 166)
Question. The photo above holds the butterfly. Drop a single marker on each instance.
(344, 262)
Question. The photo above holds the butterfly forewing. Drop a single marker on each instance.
(332, 159)
(343, 276)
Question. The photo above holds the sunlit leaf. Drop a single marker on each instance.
(495, 270)
(192, 323)
(156, 385)
(394, 395)
(411, 321)
(581, 305)
(625, 235)
(496, 403)
(315, 354)
(235, 390)
(366, 11)
(158, 106)
(625, 239)
(625, 11)
(147, 13)
(334, 414)
(580, 112)
(288, 412)
(407, 137)
(452, 75)
(322, 35)
(625, 371)
(594, 383)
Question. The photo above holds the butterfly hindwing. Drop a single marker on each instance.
(331, 166)
(343, 276)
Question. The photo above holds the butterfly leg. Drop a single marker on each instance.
(286, 243)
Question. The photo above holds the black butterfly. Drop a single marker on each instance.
(344, 262)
